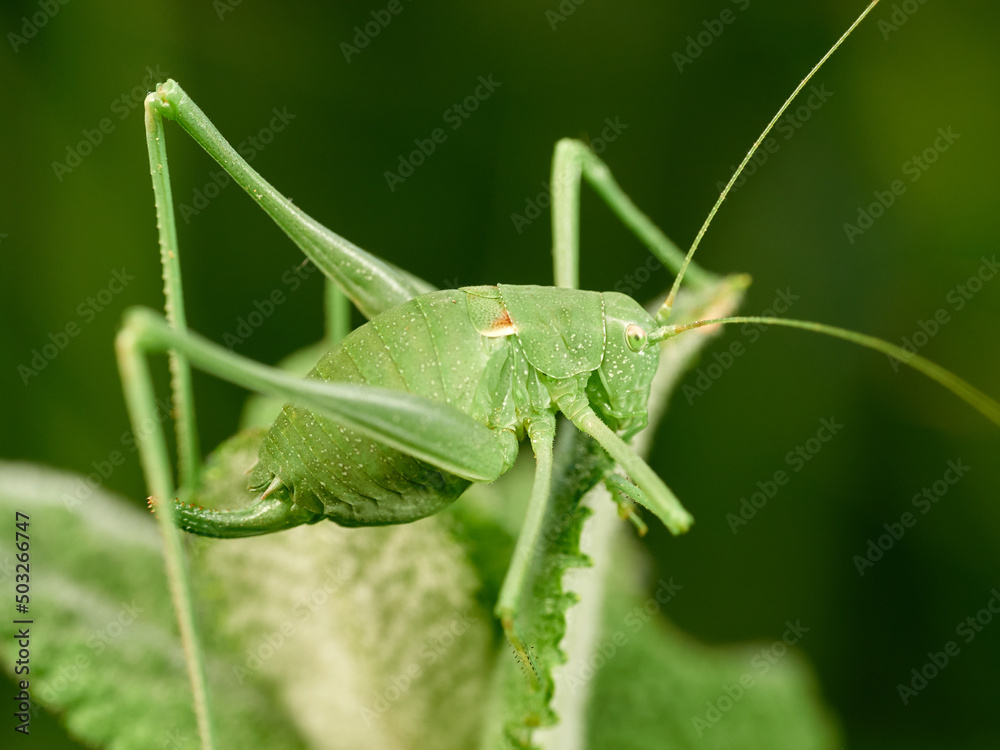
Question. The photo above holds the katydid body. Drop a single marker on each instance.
(433, 393)
(508, 356)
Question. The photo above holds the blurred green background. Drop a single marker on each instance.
(63, 233)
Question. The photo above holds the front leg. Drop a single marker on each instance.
(654, 494)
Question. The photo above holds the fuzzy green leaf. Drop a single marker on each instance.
(105, 653)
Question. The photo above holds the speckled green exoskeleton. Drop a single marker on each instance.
(438, 388)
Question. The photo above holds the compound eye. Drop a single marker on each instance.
(635, 337)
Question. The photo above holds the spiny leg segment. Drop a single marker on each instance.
(373, 284)
(189, 456)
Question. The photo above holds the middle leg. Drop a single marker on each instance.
(573, 161)
(541, 432)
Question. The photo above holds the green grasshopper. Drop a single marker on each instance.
(439, 387)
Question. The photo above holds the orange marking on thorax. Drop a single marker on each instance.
(502, 326)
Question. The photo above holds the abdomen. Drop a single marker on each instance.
(426, 346)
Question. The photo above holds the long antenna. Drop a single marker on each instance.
(668, 304)
(968, 393)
